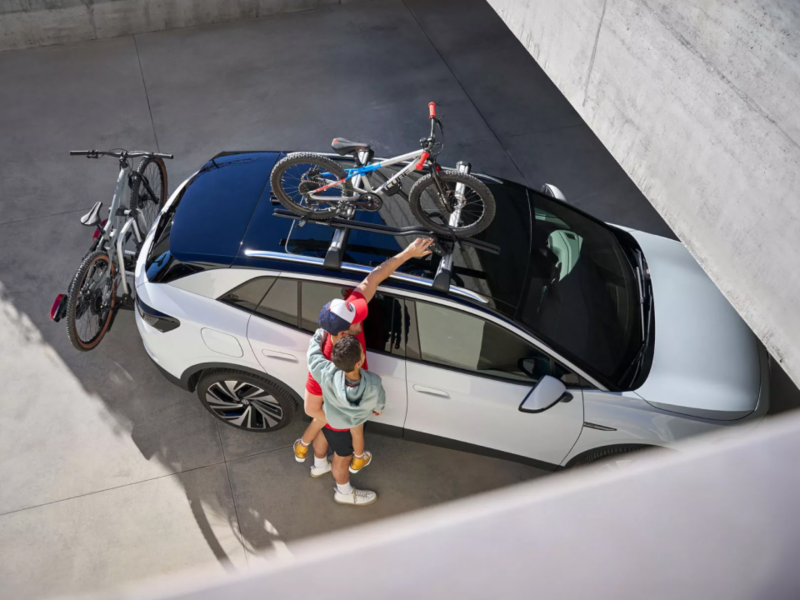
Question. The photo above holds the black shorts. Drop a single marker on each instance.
(341, 442)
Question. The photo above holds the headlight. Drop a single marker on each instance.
(156, 318)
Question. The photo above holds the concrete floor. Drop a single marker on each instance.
(109, 474)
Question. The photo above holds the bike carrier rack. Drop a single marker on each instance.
(342, 226)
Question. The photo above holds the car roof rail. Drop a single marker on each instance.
(334, 256)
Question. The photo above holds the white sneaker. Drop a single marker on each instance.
(355, 498)
(320, 471)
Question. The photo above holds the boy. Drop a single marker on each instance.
(350, 395)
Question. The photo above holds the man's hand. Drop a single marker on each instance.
(377, 414)
(418, 248)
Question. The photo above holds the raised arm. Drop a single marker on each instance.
(416, 249)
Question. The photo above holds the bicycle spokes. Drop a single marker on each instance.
(94, 302)
(150, 192)
(309, 186)
(459, 207)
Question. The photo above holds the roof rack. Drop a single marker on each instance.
(342, 226)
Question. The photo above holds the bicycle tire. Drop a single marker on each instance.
(140, 198)
(454, 177)
(300, 158)
(72, 304)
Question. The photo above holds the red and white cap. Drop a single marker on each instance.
(338, 315)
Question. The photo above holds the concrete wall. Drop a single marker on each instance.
(27, 23)
(698, 101)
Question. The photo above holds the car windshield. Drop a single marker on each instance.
(582, 295)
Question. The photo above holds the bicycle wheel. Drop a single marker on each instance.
(92, 295)
(434, 210)
(296, 178)
(152, 178)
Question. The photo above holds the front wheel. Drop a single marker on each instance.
(149, 191)
(461, 204)
(90, 308)
(308, 185)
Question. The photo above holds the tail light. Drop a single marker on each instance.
(59, 308)
(155, 318)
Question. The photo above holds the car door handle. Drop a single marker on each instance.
(430, 391)
(279, 355)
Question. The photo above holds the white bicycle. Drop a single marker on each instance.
(91, 302)
(450, 203)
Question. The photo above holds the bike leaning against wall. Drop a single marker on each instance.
(92, 299)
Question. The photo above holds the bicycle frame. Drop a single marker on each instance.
(117, 229)
(358, 175)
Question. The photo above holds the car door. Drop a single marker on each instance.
(465, 383)
(273, 330)
(382, 333)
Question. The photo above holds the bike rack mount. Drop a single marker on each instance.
(342, 226)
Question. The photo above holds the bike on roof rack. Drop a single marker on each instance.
(444, 245)
(91, 301)
(451, 203)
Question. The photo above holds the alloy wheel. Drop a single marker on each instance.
(244, 405)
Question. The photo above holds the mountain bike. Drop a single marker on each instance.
(446, 202)
(92, 302)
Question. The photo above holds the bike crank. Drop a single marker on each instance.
(368, 202)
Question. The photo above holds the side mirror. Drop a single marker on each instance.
(545, 394)
(548, 189)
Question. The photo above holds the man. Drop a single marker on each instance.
(344, 317)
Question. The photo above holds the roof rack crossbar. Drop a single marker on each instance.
(339, 223)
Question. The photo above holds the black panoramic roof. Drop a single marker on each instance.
(227, 208)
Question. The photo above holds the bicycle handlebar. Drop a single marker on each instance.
(118, 154)
(432, 109)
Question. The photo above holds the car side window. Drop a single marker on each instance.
(280, 303)
(455, 339)
(248, 295)
(383, 327)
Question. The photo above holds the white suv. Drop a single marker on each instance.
(579, 340)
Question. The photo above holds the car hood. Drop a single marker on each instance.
(706, 359)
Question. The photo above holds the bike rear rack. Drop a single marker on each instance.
(342, 227)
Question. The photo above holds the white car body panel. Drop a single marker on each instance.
(485, 412)
(705, 358)
(280, 350)
(178, 350)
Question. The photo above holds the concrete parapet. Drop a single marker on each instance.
(28, 23)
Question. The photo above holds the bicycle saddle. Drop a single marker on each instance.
(92, 218)
(345, 147)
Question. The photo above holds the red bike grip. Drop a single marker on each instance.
(432, 108)
(423, 158)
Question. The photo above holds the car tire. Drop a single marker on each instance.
(614, 459)
(246, 402)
